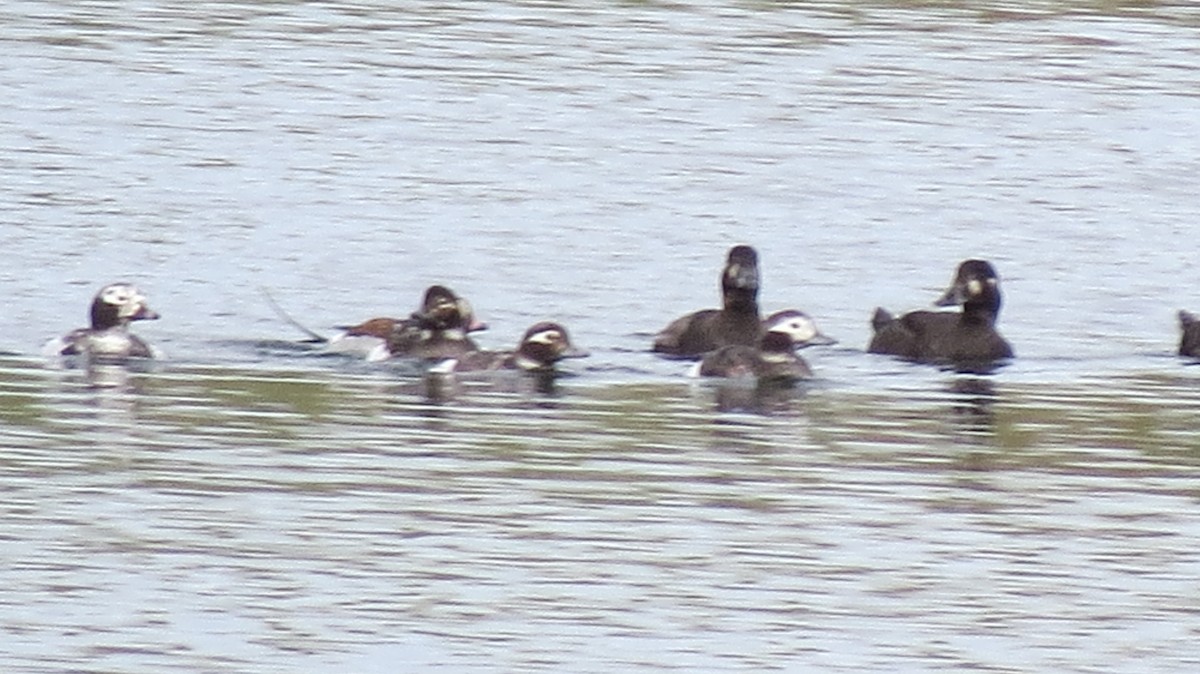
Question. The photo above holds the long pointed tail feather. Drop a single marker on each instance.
(313, 336)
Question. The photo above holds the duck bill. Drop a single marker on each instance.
(575, 352)
(144, 313)
(476, 326)
(820, 339)
(953, 297)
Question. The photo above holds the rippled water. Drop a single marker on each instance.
(247, 505)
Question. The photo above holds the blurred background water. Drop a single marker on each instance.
(246, 505)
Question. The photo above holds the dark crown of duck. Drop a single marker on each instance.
(443, 310)
(544, 344)
(740, 279)
(118, 304)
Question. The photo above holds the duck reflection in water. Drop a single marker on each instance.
(973, 399)
(439, 386)
(764, 397)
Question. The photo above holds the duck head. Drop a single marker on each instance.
(976, 286)
(798, 326)
(740, 279)
(443, 310)
(118, 304)
(543, 345)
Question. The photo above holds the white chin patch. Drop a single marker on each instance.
(131, 309)
(526, 363)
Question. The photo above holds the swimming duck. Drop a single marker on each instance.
(968, 336)
(437, 330)
(1189, 343)
(736, 322)
(113, 309)
(774, 359)
(540, 348)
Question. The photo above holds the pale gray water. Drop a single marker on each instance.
(246, 506)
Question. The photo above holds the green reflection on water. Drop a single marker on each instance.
(1030, 424)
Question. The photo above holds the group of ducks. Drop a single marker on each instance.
(438, 331)
(734, 341)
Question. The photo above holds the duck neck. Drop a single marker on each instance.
(741, 301)
(532, 355)
(981, 310)
(105, 316)
(776, 344)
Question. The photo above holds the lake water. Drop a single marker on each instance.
(247, 505)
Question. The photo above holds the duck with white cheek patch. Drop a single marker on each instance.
(543, 345)
(959, 338)
(108, 337)
(774, 359)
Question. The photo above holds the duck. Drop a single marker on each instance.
(542, 346)
(1189, 343)
(438, 329)
(737, 321)
(113, 308)
(774, 358)
(968, 336)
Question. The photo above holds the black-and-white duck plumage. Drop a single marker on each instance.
(113, 308)
(542, 346)
(774, 358)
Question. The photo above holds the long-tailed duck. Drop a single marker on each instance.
(113, 309)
